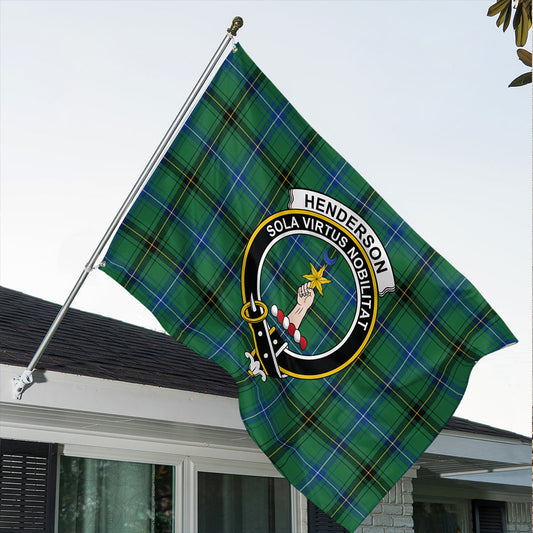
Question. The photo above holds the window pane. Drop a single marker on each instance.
(436, 518)
(229, 503)
(100, 496)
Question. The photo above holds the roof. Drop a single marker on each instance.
(467, 426)
(92, 345)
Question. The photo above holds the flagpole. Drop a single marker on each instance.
(26, 378)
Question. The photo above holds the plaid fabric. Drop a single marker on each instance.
(344, 439)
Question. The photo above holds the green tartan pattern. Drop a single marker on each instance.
(343, 440)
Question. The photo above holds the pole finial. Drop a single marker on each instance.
(236, 24)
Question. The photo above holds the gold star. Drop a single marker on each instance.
(317, 279)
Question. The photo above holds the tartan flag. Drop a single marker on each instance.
(259, 247)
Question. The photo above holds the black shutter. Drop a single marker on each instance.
(489, 516)
(28, 474)
(319, 522)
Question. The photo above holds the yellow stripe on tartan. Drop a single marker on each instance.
(341, 506)
(413, 302)
(207, 196)
(190, 180)
(183, 273)
(257, 148)
(326, 329)
(252, 142)
(377, 329)
(286, 178)
(399, 300)
(220, 311)
(376, 463)
(309, 419)
(368, 199)
(399, 396)
(451, 358)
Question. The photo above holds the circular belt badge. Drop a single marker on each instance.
(311, 278)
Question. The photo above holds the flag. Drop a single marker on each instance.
(351, 340)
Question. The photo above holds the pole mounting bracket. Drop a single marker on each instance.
(21, 382)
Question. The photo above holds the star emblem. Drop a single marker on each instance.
(317, 279)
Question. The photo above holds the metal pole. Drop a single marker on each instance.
(26, 378)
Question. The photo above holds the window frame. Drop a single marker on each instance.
(463, 506)
(193, 465)
(186, 469)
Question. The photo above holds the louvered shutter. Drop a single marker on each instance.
(489, 516)
(320, 522)
(28, 474)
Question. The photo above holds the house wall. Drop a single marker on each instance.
(394, 514)
(518, 517)
(517, 500)
(195, 432)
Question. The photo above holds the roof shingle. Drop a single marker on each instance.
(92, 345)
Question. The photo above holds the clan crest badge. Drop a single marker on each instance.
(311, 279)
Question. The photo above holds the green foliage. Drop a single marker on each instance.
(521, 26)
(523, 79)
(524, 56)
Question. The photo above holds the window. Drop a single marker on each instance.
(437, 517)
(230, 503)
(111, 490)
(101, 496)
(27, 486)
(489, 516)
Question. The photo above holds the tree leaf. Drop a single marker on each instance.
(523, 26)
(523, 79)
(497, 7)
(501, 17)
(508, 15)
(504, 17)
(516, 19)
(521, 33)
(524, 56)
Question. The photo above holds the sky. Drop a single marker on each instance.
(414, 94)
